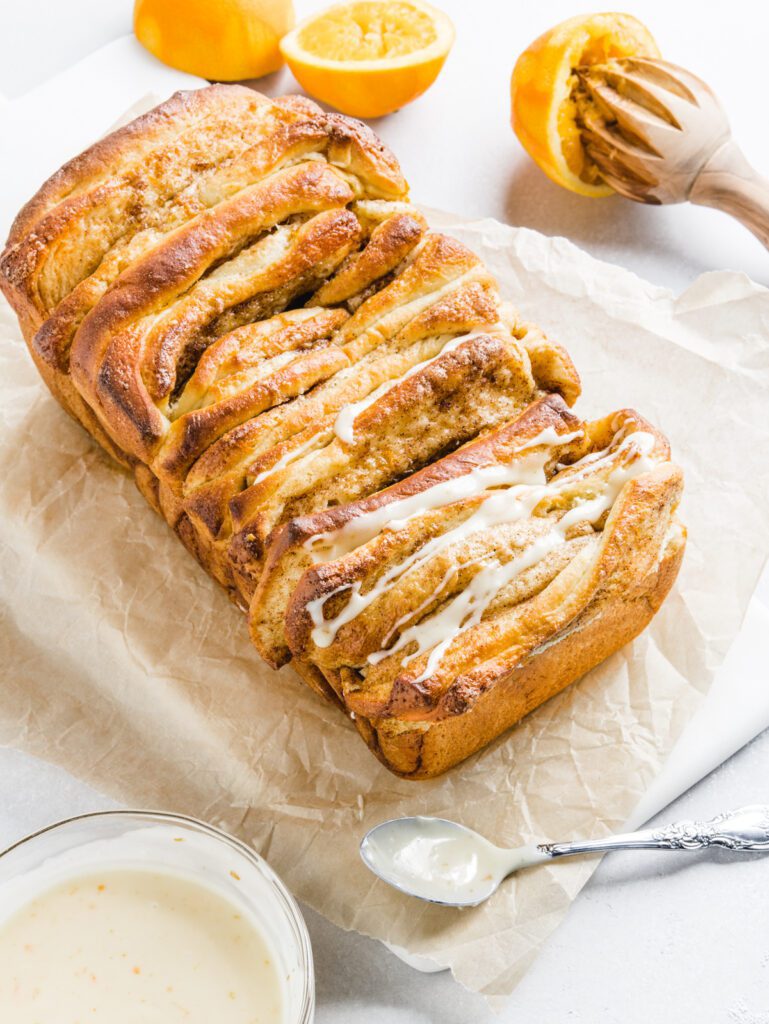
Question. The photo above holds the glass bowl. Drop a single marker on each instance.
(184, 846)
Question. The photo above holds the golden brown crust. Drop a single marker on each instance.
(289, 580)
(424, 750)
(81, 208)
(616, 567)
(265, 154)
(106, 157)
(298, 356)
(236, 300)
(399, 701)
(114, 203)
(125, 354)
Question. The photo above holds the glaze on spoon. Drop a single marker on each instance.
(444, 862)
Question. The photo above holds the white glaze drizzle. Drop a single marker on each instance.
(502, 506)
(293, 455)
(343, 425)
(467, 608)
(345, 420)
(516, 480)
(394, 515)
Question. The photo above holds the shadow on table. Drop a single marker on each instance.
(606, 225)
(356, 976)
(638, 867)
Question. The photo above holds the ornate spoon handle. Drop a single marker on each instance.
(746, 829)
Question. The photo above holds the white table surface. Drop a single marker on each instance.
(653, 936)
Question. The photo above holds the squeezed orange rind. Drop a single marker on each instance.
(543, 107)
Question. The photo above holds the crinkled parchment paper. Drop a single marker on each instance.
(124, 663)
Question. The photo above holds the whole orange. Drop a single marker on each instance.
(224, 40)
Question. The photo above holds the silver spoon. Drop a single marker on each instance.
(444, 862)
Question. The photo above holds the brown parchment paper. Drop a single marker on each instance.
(124, 663)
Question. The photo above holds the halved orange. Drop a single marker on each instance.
(369, 57)
(543, 111)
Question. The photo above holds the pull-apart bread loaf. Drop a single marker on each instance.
(340, 419)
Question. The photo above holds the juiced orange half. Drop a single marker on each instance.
(543, 109)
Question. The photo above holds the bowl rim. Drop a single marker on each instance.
(287, 900)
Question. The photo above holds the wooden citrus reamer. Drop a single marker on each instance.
(658, 134)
